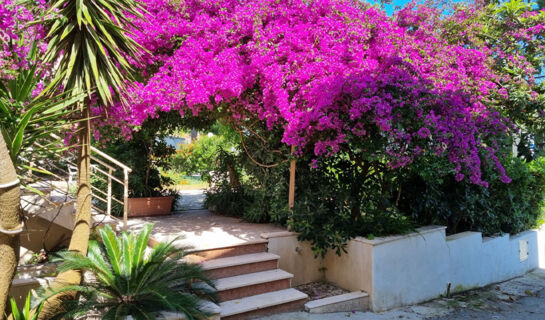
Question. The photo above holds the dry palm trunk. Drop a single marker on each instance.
(82, 227)
(10, 222)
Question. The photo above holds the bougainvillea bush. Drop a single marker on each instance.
(328, 73)
(514, 34)
(346, 84)
(17, 36)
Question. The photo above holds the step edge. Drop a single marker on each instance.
(276, 276)
(291, 296)
(249, 243)
(345, 297)
(269, 257)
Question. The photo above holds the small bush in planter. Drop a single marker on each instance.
(131, 281)
(145, 153)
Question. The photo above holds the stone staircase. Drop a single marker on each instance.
(249, 283)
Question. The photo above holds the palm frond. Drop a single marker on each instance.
(90, 45)
(131, 280)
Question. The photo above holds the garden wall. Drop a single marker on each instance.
(408, 269)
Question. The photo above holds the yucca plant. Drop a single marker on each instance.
(28, 120)
(90, 47)
(25, 313)
(129, 280)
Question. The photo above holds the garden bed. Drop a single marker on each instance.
(320, 289)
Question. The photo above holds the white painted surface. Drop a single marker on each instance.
(353, 301)
(403, 270)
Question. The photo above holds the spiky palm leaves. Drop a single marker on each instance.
(25, 313)
(27, 119)
(130, 281)
(89, 43)
(90, 48)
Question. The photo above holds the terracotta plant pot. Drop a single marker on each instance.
(152, 206)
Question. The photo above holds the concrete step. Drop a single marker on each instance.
(252, 283)
(256, 246)
(239, 265)
(263, 304)
(353, 301)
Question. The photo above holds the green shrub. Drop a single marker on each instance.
(325, 199)
(145, 154)
(461, 206)
(130, 281)
(243, 188)
(25, 313)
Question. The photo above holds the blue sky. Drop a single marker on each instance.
(399, 3)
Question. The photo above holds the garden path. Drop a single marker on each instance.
(202, 229)
(190, 200)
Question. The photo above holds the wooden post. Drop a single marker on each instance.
(291, 200)
(125, 198)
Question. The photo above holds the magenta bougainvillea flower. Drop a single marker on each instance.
(326, 71)
(329, 73)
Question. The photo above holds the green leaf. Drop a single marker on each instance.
(79, 5)
(28, 85)
(112, 248)
(18, 138)
(14, 310)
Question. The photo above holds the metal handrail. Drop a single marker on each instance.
(112, 160)
(106, 165)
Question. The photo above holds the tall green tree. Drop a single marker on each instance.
(88, 43)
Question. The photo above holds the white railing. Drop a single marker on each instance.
(101, 159)
(103, 167)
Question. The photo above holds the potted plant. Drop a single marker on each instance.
(146, 152)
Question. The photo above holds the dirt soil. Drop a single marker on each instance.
(320, 290)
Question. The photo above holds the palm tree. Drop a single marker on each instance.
(24, 120)
(89, 46)
(127, 280)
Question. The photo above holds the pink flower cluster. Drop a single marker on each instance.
(329, 72)
(16, 36)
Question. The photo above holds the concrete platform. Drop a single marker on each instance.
(202, 230)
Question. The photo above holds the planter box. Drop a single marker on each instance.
(152, 206)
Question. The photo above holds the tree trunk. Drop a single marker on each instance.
(10, 219)
(82, 228)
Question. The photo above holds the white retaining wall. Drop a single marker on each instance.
(408, 269)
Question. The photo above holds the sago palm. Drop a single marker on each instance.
(89, 47)
(26, 312)
(128, 280)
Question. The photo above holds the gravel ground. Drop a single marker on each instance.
(522, 298)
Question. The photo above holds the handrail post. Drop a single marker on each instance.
(125, 198)
(109, 198)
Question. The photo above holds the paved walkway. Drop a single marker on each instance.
(201, 229)
(522, 298)
(190, 200)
